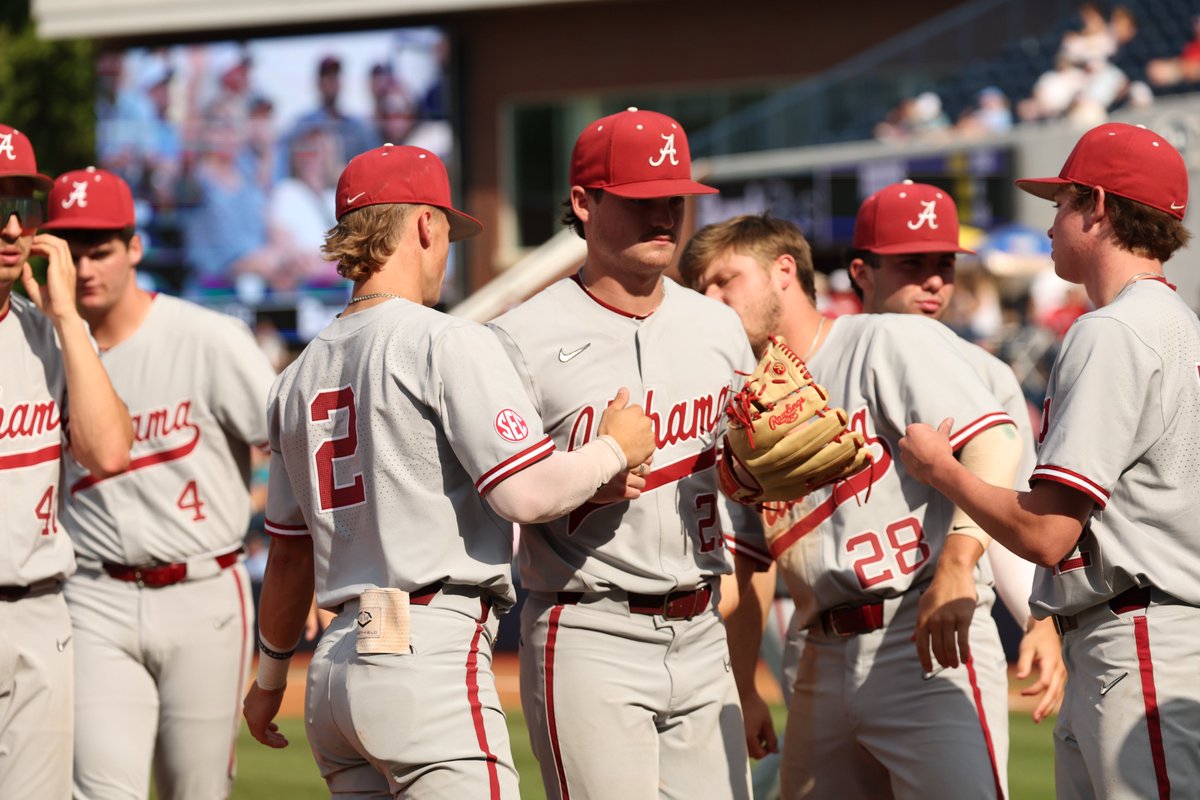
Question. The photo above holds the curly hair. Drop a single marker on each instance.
(1138, 228)
(363, 239)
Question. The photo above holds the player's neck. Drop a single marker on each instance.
(5, 295)
(116, 324)
(1106, 283)
(638, 294)
(804, 330)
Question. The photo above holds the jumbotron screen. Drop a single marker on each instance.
(233, 150)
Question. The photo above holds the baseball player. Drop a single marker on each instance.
(890, 276)
(1110, 515)
(401, 441)
(620, 639)
(160, 605)
(869, 557)
(49, 361)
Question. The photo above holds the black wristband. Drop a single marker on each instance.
(266, 651)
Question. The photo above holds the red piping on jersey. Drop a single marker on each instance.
(969, 432)
(279, 529)
(842, 491)
(1076, 481)
(551, 724)
(514, 464)
(654, 480)
(603, 304)
(1141, 632)
(983, 723)
(141, 462)
(477, 713)
(241, 666)
(31, 457)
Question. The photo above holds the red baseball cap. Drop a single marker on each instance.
(401, 174)
(636, 154)
(1126, 160)
(908, 217)
(17, 159)
(89, 199)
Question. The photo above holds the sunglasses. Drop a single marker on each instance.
(28, 211)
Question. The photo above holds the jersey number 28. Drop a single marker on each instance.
(328, 407)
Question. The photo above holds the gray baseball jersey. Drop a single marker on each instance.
(658, 690)
(385, 435)
(167, 665)
(32, 436)
(573, 353)
(196, 387)
(36, 654)
(1122, 425)
(1003, 385)
(877, 538)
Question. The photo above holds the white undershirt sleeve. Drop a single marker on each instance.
(558, 484)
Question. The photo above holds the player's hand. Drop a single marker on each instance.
(760, 730)
(630, 426)
(922, 448)
(55, 299)
(627, 485)
(259, 709)
(1042, 647)
(944, 616)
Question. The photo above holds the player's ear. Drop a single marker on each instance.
(135, 250)
(425, 227)
(581, 203)
(1098, 210)
(860, 273)
(783, 271)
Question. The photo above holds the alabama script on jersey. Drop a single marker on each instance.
(33, 389)
(879, 533)
(195, 383)
(680, 363)
(385, 434)
(1122, 424)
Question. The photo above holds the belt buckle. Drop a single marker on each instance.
(1063, 624)
(671, 608)
(832, 626)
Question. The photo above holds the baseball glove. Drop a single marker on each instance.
(783, 440)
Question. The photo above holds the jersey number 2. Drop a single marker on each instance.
(335, 448)
(708, 523)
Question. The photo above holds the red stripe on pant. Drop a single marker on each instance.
(241, 667)
(983, 723)
(1141, 632)
(551, 636)
(477, 713)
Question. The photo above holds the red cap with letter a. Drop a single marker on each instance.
(17, 159)
(635, 154)
(908, 217)
(89, 199)
(401, 174)
(1130, 161)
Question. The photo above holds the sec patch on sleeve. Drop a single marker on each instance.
(511, 426)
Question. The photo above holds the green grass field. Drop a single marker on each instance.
(290, 773)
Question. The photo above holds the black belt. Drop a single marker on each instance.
(674, 606)
(1133, 599)
(10, 594)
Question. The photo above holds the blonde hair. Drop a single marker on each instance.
(365, 238)
(759, 236)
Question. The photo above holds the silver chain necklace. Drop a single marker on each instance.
(372, 296)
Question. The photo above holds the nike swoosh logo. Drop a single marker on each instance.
(62, 643)
(350, 200)
(1175, 207)
(564, 356)
(1104, 689)
(221, 623)
(925, 676)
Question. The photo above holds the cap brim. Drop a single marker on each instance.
(42, 183)
(646, 190)
(920, 247)
(462, 226)
(83, 224)
(1044, 188)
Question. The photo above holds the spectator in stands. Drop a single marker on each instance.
(1183, 68)
(991, 114)
(351, 135)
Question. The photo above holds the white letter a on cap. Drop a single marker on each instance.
(6, 147)
(928, 216)
(668, 149)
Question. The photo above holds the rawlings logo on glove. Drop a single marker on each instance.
(783, 440)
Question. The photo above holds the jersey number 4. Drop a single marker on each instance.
(331, 406)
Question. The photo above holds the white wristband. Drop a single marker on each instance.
(272, 673)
